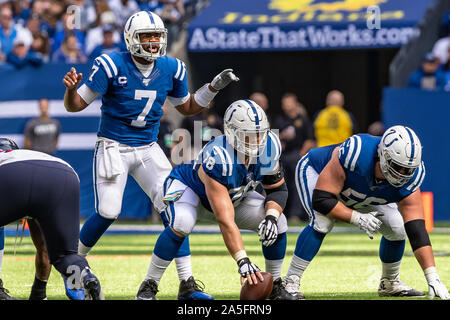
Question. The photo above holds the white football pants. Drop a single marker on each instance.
(113, 162)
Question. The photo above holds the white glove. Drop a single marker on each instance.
(435, 287)
(223, 79)
(367, 222)
(268, 230)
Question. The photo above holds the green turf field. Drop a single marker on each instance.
(347, 267)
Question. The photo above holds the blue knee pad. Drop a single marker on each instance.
(2, 238)
(168, 244)
(94, 227)
(391, 251)
(308, 243)
(277, 250)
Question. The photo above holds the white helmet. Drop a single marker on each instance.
(246, 127)
(400, 153)
(145, 22)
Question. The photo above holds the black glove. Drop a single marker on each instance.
(246, 267)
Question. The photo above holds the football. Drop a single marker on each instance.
(259, 291)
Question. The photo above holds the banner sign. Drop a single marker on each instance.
(268, 25)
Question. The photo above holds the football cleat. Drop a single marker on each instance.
(4, 293)
(147, 290)
(91, 285)
(38, 294)
(286, 289)
(191, 289)
(396, 288)
(73, 294)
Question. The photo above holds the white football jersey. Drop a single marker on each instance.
(23, 155)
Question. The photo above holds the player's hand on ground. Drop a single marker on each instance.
(72, 79)
(436, 288)
(249, 271)
(223, 79)
(369, 222)
(268, 230)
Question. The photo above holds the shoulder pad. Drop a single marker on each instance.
(217, 161)
(417, 179)
(108, 65)
(177, 67)
(349, 152)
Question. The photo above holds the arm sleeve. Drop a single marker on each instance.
(87, 94)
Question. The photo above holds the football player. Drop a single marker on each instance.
(134, 86)
(47, 189)
(373, 183)
(223, 179)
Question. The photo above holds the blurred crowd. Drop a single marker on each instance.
(434, 71)
(33, 32)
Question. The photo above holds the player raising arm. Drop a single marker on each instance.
(134, 86)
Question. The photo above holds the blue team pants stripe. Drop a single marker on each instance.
(302, 186)
(97, 145)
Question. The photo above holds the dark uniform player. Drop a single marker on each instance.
(47, 189)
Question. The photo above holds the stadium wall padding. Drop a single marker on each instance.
(428, 114)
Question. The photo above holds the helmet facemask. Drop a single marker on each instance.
(248, 142)
(137, 48)
(396, 174)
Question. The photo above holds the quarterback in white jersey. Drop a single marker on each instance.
(134, 86)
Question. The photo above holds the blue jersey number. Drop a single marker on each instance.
(139, 95)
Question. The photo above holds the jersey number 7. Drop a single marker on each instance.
(138, 95)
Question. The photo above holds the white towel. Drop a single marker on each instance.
(112, 165)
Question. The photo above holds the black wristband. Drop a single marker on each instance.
(417, 234)
(243, 261)
(271, 218)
